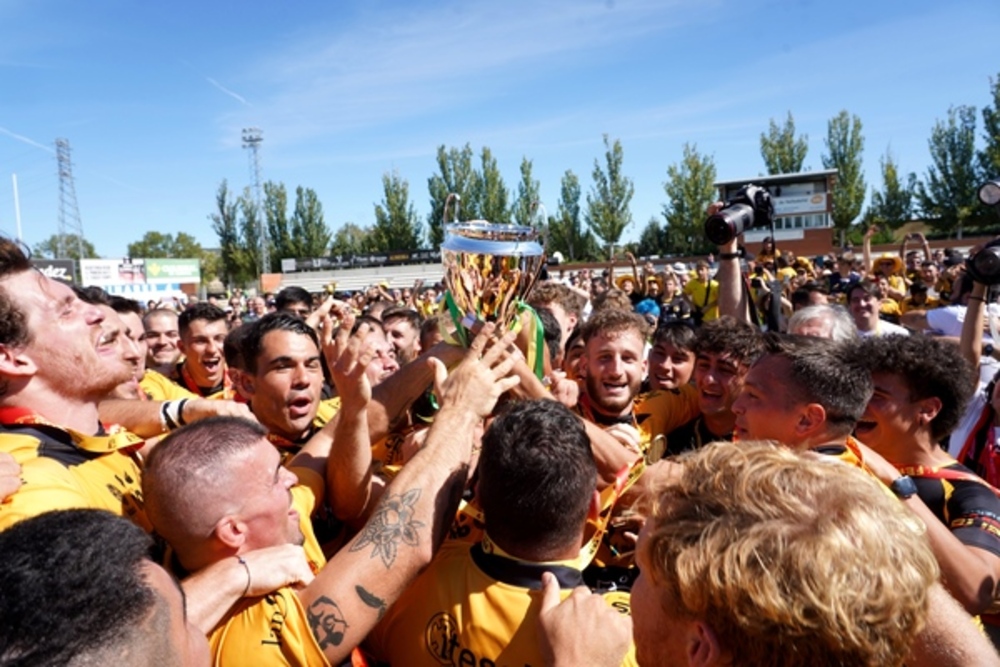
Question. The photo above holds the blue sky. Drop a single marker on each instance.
(152, 96)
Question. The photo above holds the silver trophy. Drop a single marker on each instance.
(489, 269)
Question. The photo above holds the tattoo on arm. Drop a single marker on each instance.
(327, 622)
(372, 600)
(391, 523)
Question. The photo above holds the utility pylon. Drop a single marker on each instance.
(252, 138)
(69, 212)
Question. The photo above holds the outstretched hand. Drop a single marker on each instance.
(336, 320)
(354, 355)
(482, 377)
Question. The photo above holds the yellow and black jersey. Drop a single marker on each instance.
(63, 469)
(474, 606)
(274, 629)
(158, 387)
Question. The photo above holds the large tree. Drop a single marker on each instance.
(989, 157)
(350, 239)
(282, 241)
(70, 248)
(892, 206)
(845, 145)
(235, 266)
(782, 151)
(528, 195)
(948, 195)
(492, 195)
(157, 244)
(566, 231)
(652, 240)
(608, 213)
(397, 226)
(310, 234)
(458, 176)
(689, 189)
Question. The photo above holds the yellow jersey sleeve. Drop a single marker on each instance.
(159, 387)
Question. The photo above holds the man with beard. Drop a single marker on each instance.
(613, 365)
(402, 327)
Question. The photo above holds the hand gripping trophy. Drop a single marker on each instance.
(489, 269)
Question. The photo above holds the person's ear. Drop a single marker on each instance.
(928, 409)
(15, 362)
(811, 417)
(702, 646)
(244, 383)
(230, 531)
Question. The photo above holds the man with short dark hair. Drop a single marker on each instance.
(476, 600)
(203, 331)
(294, 300)
(864, 302)
(807, 393)
(79, 588)
(724, 350)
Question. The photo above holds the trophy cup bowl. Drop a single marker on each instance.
(489, 269)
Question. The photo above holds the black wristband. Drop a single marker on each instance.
(729, 255)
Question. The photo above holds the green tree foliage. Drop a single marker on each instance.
(351, 239)
(989, 157)
(310, 234)
(492, 195)
(689, 189)
(608, 211)
(566, 231)
(652, 240)
(845, 145)
(281, 240)
(250, 231)
(948, 195)
(456, 175)
(782, 151)
(892, 206)
(528, 195)
(397, 226)
(70, 246)
(235, 223)
(158, 244)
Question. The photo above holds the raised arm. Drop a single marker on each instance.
(355, 588)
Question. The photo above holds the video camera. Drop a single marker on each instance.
(984, 266)
(750, 207)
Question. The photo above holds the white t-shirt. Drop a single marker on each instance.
(884, 328)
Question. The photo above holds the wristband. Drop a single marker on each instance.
(977, 298)
(247, 568)
(729, 255)
(171, 413)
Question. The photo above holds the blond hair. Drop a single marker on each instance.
(790, 558)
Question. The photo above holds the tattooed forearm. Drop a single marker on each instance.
(327, 622)
(391, 523)
(372, 600)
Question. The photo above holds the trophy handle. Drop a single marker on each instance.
(454, 196)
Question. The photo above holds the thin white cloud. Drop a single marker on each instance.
(407, 63)
(236, 96)
(25, 140)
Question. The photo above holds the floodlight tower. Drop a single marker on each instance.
(69, 212)
(252, 137)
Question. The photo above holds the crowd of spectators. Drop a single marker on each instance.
(750, 458)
